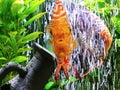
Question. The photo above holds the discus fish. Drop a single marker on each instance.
(62, 36)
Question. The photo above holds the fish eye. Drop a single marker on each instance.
(61, 7)
(50, 32)
(69, 29)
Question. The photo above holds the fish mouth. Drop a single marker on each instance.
(60, 41)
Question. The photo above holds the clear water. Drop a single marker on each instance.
(84, 57)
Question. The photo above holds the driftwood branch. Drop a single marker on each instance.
(39, 70)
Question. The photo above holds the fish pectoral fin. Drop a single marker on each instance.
(57, 72)
(75, 70)
(65, 69)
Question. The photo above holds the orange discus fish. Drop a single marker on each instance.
(62, 40)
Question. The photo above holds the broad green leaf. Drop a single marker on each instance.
(35, 4)
(49, 85)
(18, 2)
(1, 21)
(34, 18)
(13, 41)
(13, 34)
(23, 49)
(22, 30)
(31, 36)
(118, 42)
(27, 2)
(63, 82)
(116, 22)
(101, 4)
(5, 38)
(72, 79)
(94, 72)
(1, 55)
(19, 59)
(5, 11)
(3, 59)
(118, 16)
(32, 7)
(21, 33)
(16, 6)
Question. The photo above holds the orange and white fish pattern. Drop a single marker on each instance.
(62, 40)
(73, 28)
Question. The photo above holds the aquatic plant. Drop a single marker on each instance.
(15, 17)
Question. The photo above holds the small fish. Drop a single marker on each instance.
(62, 40)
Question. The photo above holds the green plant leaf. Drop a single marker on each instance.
(1, 23)
(101, 4)
(22, 30)
(4, 38)
(13, 41)
(72, 79)
(1, 55)
(19, 59)
(63, 82)
(116, 22)
(16, 6)
(5, 5)
(27, 2)
(3, 59)
(118, 42)
(13, 34)
(23, 49)
(30, 8)
(49, 85)
(31, 36)
(34, 18)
